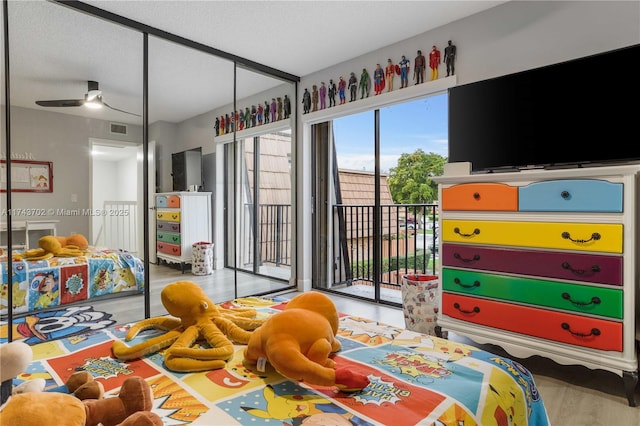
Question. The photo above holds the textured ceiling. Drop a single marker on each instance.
(54, 50)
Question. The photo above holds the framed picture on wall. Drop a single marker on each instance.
(27, 176)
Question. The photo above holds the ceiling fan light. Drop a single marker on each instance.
(94, 102)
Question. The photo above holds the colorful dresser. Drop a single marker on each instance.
(182, 219)
(544, 262)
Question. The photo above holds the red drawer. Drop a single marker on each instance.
(558, 326)
(166, 248)
(590, 268)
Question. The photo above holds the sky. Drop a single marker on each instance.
(404, 128)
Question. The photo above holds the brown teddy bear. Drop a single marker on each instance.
(130, 408)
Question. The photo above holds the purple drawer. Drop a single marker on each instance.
(591, 268)
(168, 226)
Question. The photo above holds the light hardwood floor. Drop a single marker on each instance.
(573, 395)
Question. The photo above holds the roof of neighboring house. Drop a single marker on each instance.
(275, 168)
(358, 188)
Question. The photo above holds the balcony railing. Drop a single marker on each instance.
(404, 242)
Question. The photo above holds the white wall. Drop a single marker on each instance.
(64, 140)
(511, 37)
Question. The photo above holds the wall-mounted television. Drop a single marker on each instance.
(582, 112)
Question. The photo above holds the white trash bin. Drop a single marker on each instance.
(420, 303)
(202, 258)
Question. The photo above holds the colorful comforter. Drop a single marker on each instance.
(415, 379)
(45, 284)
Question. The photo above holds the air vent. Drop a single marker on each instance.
(118, 129)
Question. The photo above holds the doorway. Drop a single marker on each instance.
(116, 195)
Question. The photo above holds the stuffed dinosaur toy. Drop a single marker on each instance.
(52, 245)
(131, 407)
(299, 341)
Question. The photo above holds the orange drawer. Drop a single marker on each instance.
(558, 326)
(480, 196)
(173, 201)
(166, 248)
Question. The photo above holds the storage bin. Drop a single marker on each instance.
(420, 303)
(202, 258)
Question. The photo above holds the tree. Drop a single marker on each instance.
(410, 181)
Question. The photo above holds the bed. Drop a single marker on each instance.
(415, 379)
(45, 284)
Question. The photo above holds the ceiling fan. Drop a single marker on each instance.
(92, 99)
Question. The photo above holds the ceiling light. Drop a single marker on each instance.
(93, 100)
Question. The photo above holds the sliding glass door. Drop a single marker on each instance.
(375, 202)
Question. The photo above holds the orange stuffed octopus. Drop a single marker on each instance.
(194, 317)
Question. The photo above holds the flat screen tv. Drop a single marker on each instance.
(583, 112)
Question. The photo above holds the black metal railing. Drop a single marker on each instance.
(406, 240)
(405, 243)
(275, 234)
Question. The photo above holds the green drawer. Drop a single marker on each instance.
(168, 237)
(553, 294)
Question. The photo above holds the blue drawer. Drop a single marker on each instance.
(161, 201)
(571, 195)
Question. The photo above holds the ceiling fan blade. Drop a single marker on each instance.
(61, 103)
(120, 110)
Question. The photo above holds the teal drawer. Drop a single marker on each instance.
(553, 294)
(168, 237)
(161, 201)
(571, 195)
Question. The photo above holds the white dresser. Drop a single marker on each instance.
(182, 219)
(544, 262)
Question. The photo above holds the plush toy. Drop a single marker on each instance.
(80, 384)
(130, 408)
(52, 245)
(298, 343)
(193, 317)
(74, 240)
(14, 359)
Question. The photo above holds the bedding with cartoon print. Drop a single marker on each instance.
(415, 379)
(45, 284)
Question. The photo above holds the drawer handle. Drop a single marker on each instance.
(475, 283)
(594, 237)
(594, 300)
(457, 231)
(565, 194)
(475, 310)
(476, 196)
(594, 331)
(566, 265)
(460, 258)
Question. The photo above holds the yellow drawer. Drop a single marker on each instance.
(168, 216)
(566, 236)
